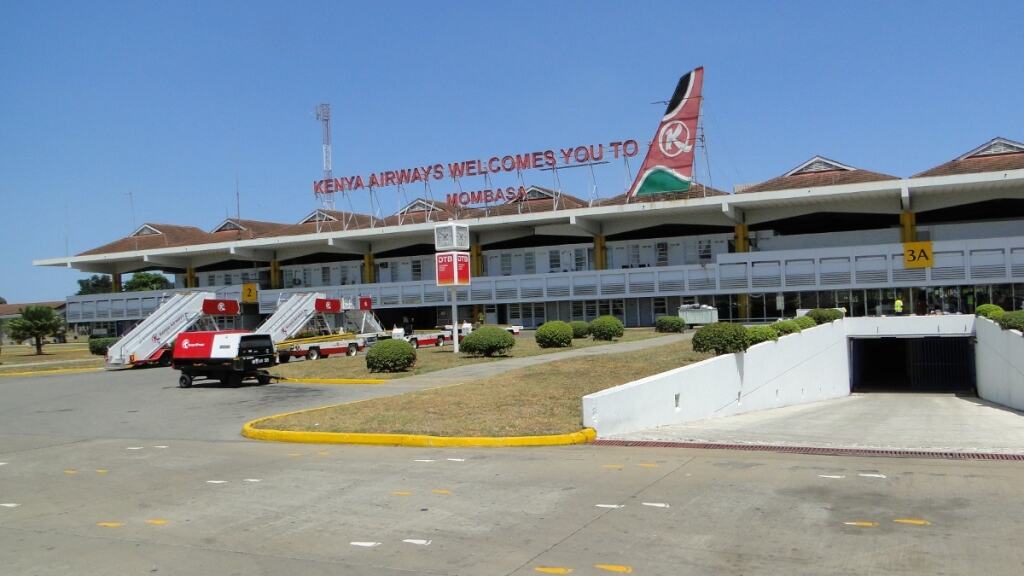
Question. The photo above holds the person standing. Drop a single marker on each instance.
(897, 306)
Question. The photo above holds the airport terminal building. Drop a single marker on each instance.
(822, 234)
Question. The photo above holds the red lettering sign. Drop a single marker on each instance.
(365, 303)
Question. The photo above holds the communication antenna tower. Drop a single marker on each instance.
(323, 114)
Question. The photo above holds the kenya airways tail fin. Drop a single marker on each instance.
(668, 166)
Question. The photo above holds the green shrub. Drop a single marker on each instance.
(488, 341)
(99, 346)
(825, 315)
(669, 324)
(758, 334)
(720, 338)
(580, 329)
(554, 334)
(606, 328)
(990, 311)
(390, 356)
(1012, 320)
(805, 322)
(784, 327)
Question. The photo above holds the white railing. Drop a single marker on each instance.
(983, 261)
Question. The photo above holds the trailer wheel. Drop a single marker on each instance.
(263, 378)
(439, 342)
(415, 343)
(313, 354)
(184, 381)
(283, 358)
(353, 349)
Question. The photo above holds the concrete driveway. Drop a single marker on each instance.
(887, 421)
(125, 474)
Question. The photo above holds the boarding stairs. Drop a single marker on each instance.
(174, 316)
(291, 316)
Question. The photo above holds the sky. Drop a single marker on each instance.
(113, 114)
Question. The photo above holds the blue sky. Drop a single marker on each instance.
(171, 101)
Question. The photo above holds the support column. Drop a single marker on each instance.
(275, 274)
(476, 261)
(369, 273)
(190, 277)
(742, 244)
(600, 253)
(908, 226)
(115, 282)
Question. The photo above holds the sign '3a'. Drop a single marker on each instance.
(918, 255)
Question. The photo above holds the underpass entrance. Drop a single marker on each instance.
(930, 364)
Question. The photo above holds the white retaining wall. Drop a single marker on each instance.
(805, 367)
(999, 364)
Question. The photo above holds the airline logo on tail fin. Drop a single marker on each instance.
(668, 166)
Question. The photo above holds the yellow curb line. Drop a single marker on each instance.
(55, 371)
(249, 430)
(333, 380)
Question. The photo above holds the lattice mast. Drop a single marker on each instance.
(326, 196)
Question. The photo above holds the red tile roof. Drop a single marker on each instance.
(973, 164)
(695, 191)
(170, 236)
(816, 179)
(15, 309)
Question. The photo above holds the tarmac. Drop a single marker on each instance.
(124, 473)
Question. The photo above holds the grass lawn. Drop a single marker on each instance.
(431, 359)
(72, 355)
(542, 399)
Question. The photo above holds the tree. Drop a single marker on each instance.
(95, 284)
(143, 281)
(3, 300)
(36, 322)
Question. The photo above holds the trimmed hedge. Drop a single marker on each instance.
(805, 322)
(606, 328)
(669, 324)
(784, 327)
(390, 356)
(758, 334)
(488, 341)
(720, 338)
(825, 315)
(990, 311)
(580, 329)
(554, 334)
(99, 346)
(1012, 320)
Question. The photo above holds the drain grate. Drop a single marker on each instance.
(817, 451)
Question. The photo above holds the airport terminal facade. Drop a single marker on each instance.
(822, 234)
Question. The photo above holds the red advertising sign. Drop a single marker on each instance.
(328, 305)
(365, 303)
(220, 307)
(452, 268)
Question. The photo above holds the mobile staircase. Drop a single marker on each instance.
(148, 341)
(291, 316)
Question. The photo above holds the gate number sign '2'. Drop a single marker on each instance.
(918, 255)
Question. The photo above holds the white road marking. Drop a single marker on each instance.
(871, 475)
(656, 504)
(252, 480)
(134, 447)
(3, 463)
(9, 505)
(159, 446)
(365, 544)
(216, 481)
(609, 505)
(455, 459)
(424, 460)
(833, 476)
(417, 542)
